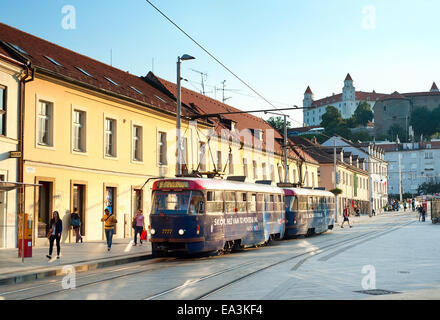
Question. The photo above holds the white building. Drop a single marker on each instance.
(10, 70)
(376, 165)
(419, 163)
(346, 102)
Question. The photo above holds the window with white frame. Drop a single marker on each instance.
(245, 167)
(45, 123)
(110, 137)
(202, 156)
(137, 143)
(231, 163)
(79, 131)
(2, 110)
(254, 165)
(162, 148)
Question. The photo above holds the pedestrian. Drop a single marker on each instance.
(419, 209)
(109, 226)
(75, 221)
(404, 206)
(54, 234)
(413, 205)
(139, 226)
(423, 214)
(345, 217)
(374, 212)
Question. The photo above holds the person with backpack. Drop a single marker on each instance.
(109, 226)
(75, 221)
(346, 217)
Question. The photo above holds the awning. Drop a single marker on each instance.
(8, 186)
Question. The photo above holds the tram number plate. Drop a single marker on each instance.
(167, 231)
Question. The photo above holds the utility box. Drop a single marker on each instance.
(27, 243)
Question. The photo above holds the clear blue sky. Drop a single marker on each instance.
(278, 46)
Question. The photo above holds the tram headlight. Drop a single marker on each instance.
(181, 232)
(152, 231)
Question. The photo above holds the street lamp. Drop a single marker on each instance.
(179, 142)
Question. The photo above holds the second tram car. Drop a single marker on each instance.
(194, 215)
(308, 211)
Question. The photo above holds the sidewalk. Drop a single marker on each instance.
(82, 256)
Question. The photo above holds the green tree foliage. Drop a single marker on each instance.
(361, 136)
(396, 130)
(278, 123)
(363, 114)
(332, 121)
(425, 122)
(429, 188)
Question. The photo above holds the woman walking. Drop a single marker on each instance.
(75, 221)
(346, 218)
(55, 231)
(139, 226)
(109, 227)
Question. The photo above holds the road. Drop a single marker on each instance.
(392, 256)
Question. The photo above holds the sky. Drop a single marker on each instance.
(277, 47)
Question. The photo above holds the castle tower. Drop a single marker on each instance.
(348, 97)
(434, 88)
(308, 98)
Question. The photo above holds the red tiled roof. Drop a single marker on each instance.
(207, 105)
(38, 49)
(360, 95)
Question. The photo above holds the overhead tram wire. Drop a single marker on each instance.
(211, 55)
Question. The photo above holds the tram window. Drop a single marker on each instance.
(230, 205)
(260, 202)
(242, 203)
(302, 200)
(269, 199)
(173, 202)
(214, 202)
(252, 202)
(291, 203)
(197, 204)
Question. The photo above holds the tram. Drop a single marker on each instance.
(308, 211)
(194, 215)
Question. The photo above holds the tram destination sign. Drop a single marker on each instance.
(172, 184)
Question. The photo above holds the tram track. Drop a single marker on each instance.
(363, 238)
(151, 267)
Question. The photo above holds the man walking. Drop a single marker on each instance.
(345, 217)
(109, 227)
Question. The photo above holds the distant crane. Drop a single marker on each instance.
(204, 76)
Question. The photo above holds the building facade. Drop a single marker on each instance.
(396, 109)
(376, 165)
(10, 73)
(411, 164)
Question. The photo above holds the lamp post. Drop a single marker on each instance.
(179, 141)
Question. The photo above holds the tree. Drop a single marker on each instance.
(278, 123)
(363, 113)
(331, 120)
(361, 136)
(423, 122)
(429, 188)
(396, 130)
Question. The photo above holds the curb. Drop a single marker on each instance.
(79, 267)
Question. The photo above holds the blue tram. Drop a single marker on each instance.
(308, 211)
(194, 215)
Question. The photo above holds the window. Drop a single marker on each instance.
(111, 81)
(214, 202)
(428, 155)
(53, 61)
(245, 167)
(231, 164)
(2, 110)
(254, 164)
(78, 131)
(230, 202)
(219, 161)
(202, 157)
(263, 165)
(110, 137)
(137, 143)
(162, 148)
(44, 126)
(84, 72)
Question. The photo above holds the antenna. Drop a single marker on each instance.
(223, 89)
(111, 57)
(204, 76)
